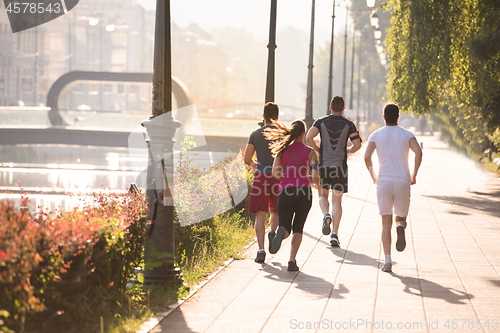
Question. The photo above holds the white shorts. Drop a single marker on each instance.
(393, 197)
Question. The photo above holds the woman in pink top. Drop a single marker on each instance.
(291, 167)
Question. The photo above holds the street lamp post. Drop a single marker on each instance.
(271, 54)
(352, 67)
(309, 99)
(330, 76)
(345, 50)
(161, 127)
(359, 80)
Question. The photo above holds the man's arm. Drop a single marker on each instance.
(415, 147)
(248, 157)
(313, 162)
(356, 143)
(276, 172)
(311, 134)
(368, 161)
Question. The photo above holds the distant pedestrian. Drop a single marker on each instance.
(293, 159)
(334, 131)
(264, 192)
(393, 181)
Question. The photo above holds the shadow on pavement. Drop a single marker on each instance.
(412, 284)
(489, 206)
(174, 322)
(432, 290)
(495, 194)
(308, 283)
(353, 258)
(496, 282)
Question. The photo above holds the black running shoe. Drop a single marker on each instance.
(292, 266)
(261, 257)
(334, 240)
(280, 234)
(327, 220)
(270, 235)
(401, 242)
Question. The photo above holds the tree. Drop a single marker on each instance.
(445, 59)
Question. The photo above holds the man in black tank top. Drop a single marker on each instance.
(334, 131)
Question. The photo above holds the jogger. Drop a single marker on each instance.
(293, 159)
(334, 131)
(264, 192)
(393, 181)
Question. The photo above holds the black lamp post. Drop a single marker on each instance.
(161, 127)
(352, 67)
(359, 81)
(309, 99)
(345, 51)
(271, 54)
(330, 76)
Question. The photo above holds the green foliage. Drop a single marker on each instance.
(495, 137)
(466, 134)
(58, 270)
(188, 143)
(442, 57)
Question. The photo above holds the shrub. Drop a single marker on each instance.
(64, 266)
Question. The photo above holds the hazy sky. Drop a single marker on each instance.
(253, 15)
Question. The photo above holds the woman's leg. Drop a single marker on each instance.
(302, 204)
(285, 215)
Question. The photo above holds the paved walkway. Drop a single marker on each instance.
(447, 279)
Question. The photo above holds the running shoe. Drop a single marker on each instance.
(334, 240)
(401, 242)
(327, 220)
(387, 267)
(280, 234)
(292, 266)
(261, 256)
(270, 235)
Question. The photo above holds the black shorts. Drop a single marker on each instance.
(333, 178)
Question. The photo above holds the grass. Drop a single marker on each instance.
(229, 234)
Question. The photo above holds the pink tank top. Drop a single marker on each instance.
(295, 164)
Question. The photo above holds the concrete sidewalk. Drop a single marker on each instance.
(447, 279)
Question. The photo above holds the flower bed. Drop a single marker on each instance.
(57, 268)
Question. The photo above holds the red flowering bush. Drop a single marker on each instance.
(64, 266)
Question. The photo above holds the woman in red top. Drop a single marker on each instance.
(291, 167)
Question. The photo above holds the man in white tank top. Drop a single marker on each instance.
(393, 181)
